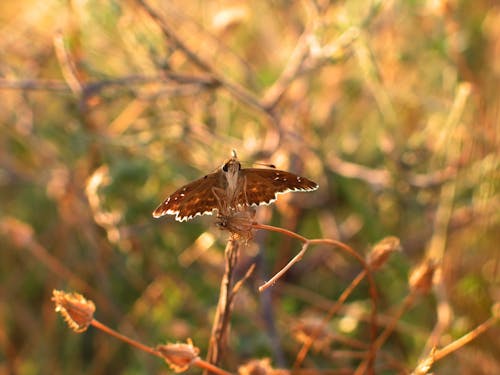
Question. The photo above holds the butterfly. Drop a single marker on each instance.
(230, 187)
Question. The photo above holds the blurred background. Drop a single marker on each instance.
(106, 107)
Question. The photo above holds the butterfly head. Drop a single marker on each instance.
(231, 166)
(231, 170)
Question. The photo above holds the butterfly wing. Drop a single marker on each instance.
(191, 200)
(262, 186)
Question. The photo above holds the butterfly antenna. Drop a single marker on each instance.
(266, 165)
(261, 164)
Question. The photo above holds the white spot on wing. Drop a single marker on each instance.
(186, 218)
(298, 190)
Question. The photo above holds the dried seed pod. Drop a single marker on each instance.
(75, 309)
(179, 356)
(382, 250)
(421, 278)
(239, 223)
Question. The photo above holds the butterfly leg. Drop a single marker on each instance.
(220, 196)
(225, 211)
(245, 191)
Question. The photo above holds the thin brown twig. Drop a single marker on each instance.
(303, 59)
(198, 362)
(289, 73)
(240, 283)
(374, 177)
(465, 339)
(407, 303)
(437, 245)
(95, 86)
(119, 336)
(209, 367)
(236, 90)
(67, 65)
(34, 84)
(425, 364)
(372, 289)
(381, 178)
(331, 312)
(281, 272)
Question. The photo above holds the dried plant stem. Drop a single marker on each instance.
(405, 306)
(350, 251)
(236, 90)
(281, 272)
(218, 338)
(435, 355)
(407, 303)
(34, 84)
(67, 64)
(331, 312)
(289, 73)
(126, 339)
(95, 86)
(209, 367)
(465, 339)
(378, 178)
(198, 362)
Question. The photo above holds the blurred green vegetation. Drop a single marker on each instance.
(392, 107)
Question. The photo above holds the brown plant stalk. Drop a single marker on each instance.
(228, 289)
(435, 355)
(196, 361)
(78, 312)
(367, 272)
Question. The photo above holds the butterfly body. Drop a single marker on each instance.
(230, 187)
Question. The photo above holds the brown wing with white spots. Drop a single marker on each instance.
(263, 185)
(193, 199)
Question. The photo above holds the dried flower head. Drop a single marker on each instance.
(75, 309)
(239, 223)
(421, 278)
(179, 356)
(382, 250)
